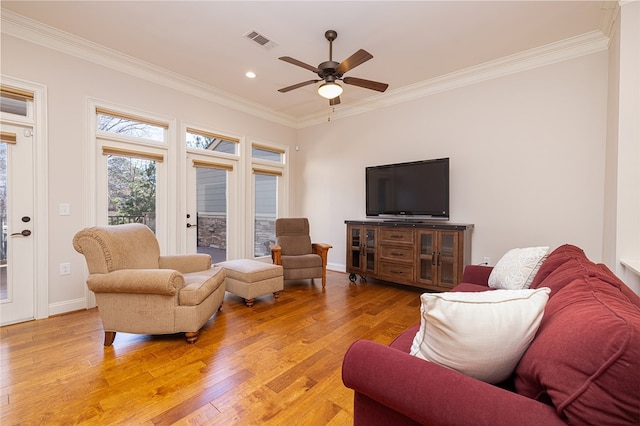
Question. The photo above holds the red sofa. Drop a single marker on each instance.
(583, 367)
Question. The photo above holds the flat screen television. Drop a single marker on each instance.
(413, 190)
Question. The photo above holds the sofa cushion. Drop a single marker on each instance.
(585, 358)
(517, 268)
(480, 334)
(557, 258)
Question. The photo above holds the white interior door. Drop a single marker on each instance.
(17, 243)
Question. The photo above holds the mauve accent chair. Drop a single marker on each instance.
(139, 291)
(299, 257)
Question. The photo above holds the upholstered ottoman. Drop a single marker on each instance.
(249, 278)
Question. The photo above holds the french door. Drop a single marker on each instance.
(17, 242)
(211, 219)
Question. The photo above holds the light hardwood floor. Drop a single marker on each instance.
(278, 362)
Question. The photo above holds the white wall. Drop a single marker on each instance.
(527, 159)
(622, 214)
(70, 83)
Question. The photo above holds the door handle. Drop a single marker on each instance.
(24, 233)
(191, 226)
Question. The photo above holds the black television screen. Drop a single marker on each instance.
(418, 189)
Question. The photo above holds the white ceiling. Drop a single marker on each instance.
(411, 41)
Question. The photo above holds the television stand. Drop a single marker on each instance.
(424, 254)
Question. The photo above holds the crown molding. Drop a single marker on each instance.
(35, 32)
(585, 44)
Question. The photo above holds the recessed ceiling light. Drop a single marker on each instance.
(250, 74)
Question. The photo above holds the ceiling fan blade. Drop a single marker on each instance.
(298, 63)
(334, 101)
(295, 86)
(353, 61)
(367, 84)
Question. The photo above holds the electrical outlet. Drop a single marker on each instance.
(65, 268)
(486, 260)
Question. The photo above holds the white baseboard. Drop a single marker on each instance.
(67, 306)
(338, 267)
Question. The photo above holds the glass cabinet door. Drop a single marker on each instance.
(361, 250)
(354, 247)
(370, 250)
(428, 257)
(446, 258)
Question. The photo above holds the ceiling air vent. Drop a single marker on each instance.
(261, 39)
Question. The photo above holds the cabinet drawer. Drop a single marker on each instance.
(396, 272)
(394, 235)
(397, 253)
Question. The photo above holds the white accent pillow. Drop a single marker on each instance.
(517, 268)
(480, 334)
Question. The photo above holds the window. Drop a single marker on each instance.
(15, 101)
(130, 164)
(198, 139)
(131, 190)
(266, 153)
(268, 169)
(128, 125)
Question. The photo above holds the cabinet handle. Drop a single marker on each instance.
(395, 271)
(395, 253)
(439, 259)
(433, 259)
(396, 236)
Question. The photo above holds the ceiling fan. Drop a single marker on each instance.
(331, 71)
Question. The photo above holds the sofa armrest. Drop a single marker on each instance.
(141, 281)
(434, 395)
(477, 274)
(186, 263)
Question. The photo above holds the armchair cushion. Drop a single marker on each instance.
(199, 285)
(186, 263)
(294, 245)
(302, 261)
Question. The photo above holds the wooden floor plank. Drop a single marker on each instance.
(278, 362)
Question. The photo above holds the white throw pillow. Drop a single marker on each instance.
(480, 334)
(517, 268)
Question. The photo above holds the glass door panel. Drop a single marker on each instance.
(131, 191)
(427, 257)
(211, 208)
(447, 245)
(266, 212)
(370, 250)
(354, 247)
(447, 273)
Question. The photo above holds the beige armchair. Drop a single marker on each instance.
(139, 291)
(299, 257)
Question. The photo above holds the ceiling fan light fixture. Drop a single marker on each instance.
(330, 90)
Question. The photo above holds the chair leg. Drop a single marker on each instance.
(191, 336)
(249, 302)
(109, 337)
(276, 294)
